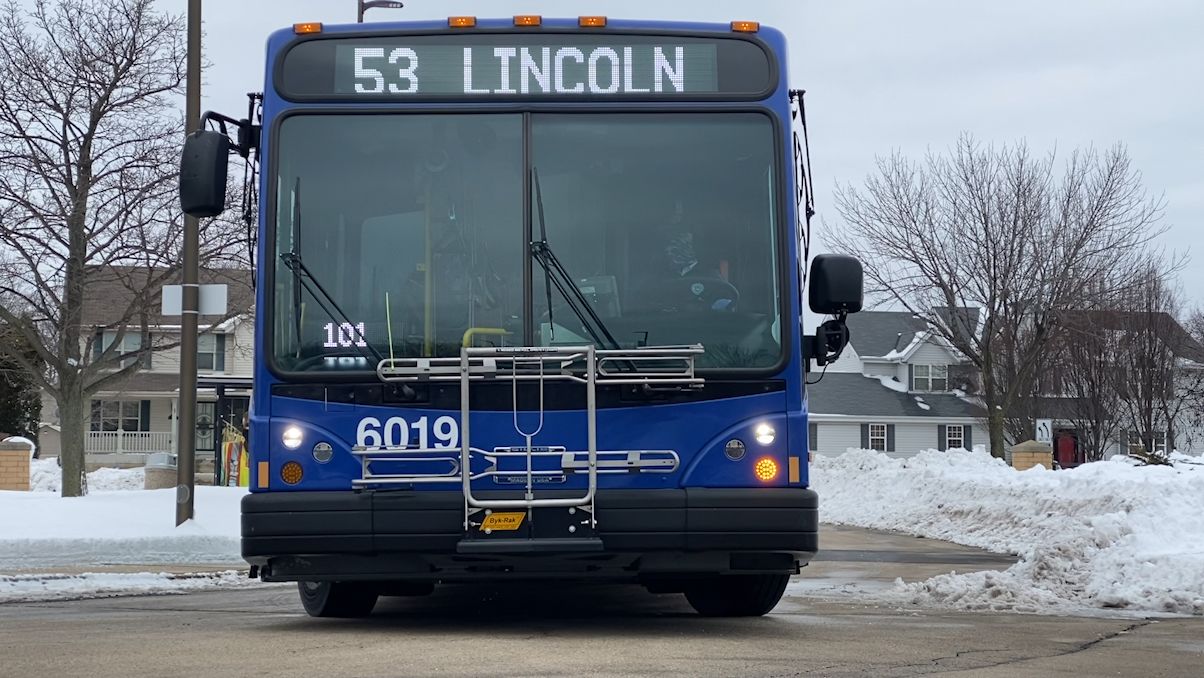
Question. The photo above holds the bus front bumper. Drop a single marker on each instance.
(402, 534)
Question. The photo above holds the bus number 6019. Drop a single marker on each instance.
(396, 432)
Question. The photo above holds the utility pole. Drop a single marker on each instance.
(191, 293)
(365, 5)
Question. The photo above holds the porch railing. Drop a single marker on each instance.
(104, 442)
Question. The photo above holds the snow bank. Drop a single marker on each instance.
(119, 527)
(1104, 535)
(37, 587)
(45, 475)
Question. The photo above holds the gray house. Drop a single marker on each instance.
(898, 388)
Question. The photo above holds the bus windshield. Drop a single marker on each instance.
(420, 227)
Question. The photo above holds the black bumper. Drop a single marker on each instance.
(326, 535)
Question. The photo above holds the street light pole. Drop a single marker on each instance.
(186, 416)
(365, 5)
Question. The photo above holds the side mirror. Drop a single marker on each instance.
(836, 284)
(203, 167)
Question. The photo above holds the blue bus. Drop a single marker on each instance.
(529, 299)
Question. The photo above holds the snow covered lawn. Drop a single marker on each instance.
(117, 523)
(1104, 535)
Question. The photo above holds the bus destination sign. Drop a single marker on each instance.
(521, 66)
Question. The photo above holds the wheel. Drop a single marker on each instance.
(737, 595)
(336, 599)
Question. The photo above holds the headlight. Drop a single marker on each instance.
(765, 434)
(292, 437)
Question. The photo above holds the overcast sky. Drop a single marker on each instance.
(887, 74)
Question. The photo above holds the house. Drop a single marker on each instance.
(137, 415)
(898, 387)
(1118, 369)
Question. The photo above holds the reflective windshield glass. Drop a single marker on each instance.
(404, 235)
(666, 222)
(411, 223)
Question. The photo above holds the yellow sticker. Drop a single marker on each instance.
(503, 521)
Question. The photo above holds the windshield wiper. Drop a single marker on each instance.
(555, 273)
(302, 274)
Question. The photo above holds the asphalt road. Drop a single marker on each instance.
(545, 630)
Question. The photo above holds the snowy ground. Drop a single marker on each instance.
(118, 523)
(24, 588)
(113, 525)
(1104, 536)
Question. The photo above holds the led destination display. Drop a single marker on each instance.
(523, 66)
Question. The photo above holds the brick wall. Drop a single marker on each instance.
(14, 467)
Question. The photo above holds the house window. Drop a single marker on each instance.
(955, 437)
(1136, 446)
(130, 343)
(878, 437)
(211, 352)
(930, 378)
(124, 415)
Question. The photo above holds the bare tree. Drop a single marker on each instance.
(1160, 375)
(998, 230)
(89, 152)
(1088, 379)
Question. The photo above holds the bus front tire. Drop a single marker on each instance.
(737, 595)
(336, 599)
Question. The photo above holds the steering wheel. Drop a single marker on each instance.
(699, 293)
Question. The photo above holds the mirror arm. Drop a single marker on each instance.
(828, 342)
(247, 133)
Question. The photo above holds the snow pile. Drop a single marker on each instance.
(39, 587)
(118, 527)
(45, 475)
(1104, 535)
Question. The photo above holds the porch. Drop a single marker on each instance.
(123, 442)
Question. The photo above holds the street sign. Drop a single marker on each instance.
(1044, 431)
(213, 300)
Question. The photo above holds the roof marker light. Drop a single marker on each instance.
(528, 20)
(307, 27)
(746, 26)
(591, 21)
(461, 21)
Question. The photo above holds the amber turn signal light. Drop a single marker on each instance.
(291, 473)
(766, 469)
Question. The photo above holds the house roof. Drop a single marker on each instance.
(857, 395)
(1163, 324)
(881, 333)
(877, 333)
(962, 322)
(109, 290)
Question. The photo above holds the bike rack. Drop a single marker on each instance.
(667, 366)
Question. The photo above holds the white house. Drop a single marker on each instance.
(137, 416)
(898, 387)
